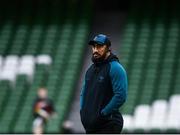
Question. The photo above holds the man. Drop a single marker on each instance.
(104, 90)
(43, 109)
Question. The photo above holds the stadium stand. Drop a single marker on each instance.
(150, 53)
(41, 44)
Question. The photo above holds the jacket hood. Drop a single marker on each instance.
(112, 57)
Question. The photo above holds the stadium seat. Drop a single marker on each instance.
(128, 123)
(9, 68)
(158, 115)
(27, 66)
(173, 118)
(44, 59)
(141, 117)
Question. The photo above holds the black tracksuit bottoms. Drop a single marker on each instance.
(108, 128)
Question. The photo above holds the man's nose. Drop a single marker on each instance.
(95, 49)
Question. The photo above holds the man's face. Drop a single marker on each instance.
(99, 51)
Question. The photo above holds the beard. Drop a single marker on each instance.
(98, 59)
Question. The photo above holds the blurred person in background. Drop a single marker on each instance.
(104, 90)
(43, 109)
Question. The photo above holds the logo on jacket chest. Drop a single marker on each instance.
(100, 78)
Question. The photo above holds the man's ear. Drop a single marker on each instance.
(109, 48)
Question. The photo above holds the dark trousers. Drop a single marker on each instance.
(108, 128)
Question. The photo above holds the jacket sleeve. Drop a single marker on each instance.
(119, 84)
(82, 94)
